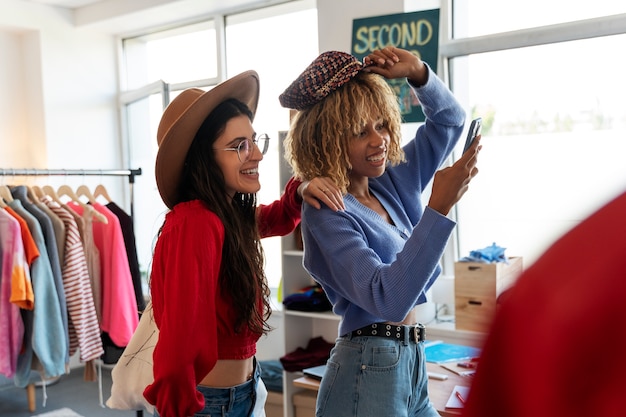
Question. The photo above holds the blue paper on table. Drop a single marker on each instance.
(439, 352)
(490, 254)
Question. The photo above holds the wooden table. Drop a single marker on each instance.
(439, 391)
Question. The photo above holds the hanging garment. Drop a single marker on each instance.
(84, 329)
(21, 285)
(13, 278)
(92, 255)
(57, 225)
(20, 193)
(44, 333)
(30, 247)
(120, 315)
(128, 232)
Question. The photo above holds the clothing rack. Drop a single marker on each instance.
(130, 173)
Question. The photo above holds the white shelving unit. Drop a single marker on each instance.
(299, 326)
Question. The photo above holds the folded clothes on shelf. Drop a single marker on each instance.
(316, 353)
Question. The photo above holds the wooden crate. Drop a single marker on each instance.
(304, 403)
(274, 404)
(476, 289)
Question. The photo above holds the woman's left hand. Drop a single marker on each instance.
(324, 190)
(391, 62)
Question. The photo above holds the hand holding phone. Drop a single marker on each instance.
(474, 130)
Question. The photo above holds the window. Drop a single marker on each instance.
(486, 17)
(178, 55)
(553, 137)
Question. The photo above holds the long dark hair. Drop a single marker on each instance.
(242, 278)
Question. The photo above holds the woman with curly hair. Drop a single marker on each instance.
(377, 258)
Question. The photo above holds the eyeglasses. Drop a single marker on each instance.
(244, 149)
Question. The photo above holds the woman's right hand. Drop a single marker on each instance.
(324, 190)
(452, 182)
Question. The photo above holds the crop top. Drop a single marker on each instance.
(196, 323)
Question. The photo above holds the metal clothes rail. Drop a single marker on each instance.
(130, 173)
(28, 172)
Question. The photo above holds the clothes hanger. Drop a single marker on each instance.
(101, 191)
(30, 193)
(95, 213)
(5, 193)
(33, 191)
(3, 203)
(37, 191)
(83, 191)
(66, 190)
(49, 191)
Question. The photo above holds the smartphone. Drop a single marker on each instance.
(474, 130)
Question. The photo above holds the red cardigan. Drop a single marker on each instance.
(195, 323)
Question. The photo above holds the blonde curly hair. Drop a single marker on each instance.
(318, 141)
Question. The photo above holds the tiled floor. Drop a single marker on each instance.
(71, 392)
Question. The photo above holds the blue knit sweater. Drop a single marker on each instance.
(373, 271)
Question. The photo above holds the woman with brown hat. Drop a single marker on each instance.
(208, 288)
(377, 258)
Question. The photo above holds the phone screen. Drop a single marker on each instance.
(474, 130)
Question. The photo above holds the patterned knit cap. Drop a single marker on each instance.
(325, 74)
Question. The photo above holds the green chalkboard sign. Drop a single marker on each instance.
(417, 32)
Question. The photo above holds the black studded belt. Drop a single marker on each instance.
(415, 333)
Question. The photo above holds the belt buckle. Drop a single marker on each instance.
(419, 331)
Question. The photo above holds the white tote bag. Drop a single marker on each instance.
(133, 371)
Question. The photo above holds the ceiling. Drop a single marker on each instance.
(75, 4)
(70, 4)
(118, 16)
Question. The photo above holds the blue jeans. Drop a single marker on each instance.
(237, 401)
(369, 376)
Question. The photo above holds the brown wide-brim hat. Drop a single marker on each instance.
(325, 74)
(183, 117)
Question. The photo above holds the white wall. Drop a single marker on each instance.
(335, 19)
(80, 93)
(58, 107)
(13, 104)
(68, 79)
